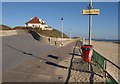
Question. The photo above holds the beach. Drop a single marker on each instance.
(108, 49)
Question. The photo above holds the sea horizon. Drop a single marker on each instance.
(107, 40)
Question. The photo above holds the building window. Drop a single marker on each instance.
(33, 26)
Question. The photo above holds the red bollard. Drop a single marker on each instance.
(87, 51)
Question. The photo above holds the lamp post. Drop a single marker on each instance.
(70, 33)
(62, 30)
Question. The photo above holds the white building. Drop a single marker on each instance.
(37, 23)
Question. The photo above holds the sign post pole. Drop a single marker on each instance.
(90, 11)
(90, 23)
(90, 29)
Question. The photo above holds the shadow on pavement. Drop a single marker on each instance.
(71, 64)
(54, 57)
(74, 54)
(56, 65)
(79, 69)
(72, 68)
(91, 75)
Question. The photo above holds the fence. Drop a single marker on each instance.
(102, 64)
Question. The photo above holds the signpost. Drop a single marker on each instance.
(90, 11)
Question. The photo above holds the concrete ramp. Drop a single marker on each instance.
(38, 37)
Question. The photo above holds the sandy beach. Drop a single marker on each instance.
(110, 51)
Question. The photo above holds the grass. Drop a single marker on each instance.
(19, 28)
(5, 27)
(52, 33)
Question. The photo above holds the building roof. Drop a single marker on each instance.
(34, 20)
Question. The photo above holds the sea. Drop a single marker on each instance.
(107, 40)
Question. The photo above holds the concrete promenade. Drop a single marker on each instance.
(25, 59)
(28, 60)
(17, 49)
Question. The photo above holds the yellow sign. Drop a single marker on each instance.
(91, 12)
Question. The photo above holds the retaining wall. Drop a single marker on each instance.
(53, 41)
(11, 32)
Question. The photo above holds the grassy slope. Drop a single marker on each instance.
(5, 27)
(19, 28)
(53, 33)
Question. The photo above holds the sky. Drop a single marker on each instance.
(105, 25)
(58, 0)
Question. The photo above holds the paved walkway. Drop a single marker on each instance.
(41, 68)
(62, 64)
(19, 48)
